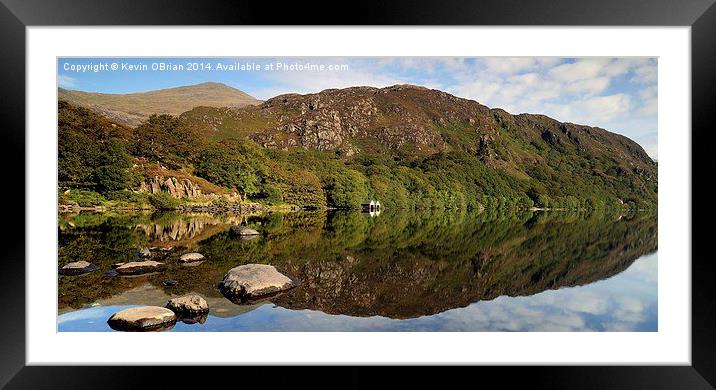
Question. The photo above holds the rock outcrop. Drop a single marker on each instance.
(252, 281)
(147, 318)
(179, 188)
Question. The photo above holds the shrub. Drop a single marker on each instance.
(83, 198)
(164, 201)
(128, 196)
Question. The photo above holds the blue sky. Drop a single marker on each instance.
(619, 94)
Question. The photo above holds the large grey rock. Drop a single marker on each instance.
(191, 257)
(253, 281)
(243, 231)
(145, 318)
(77, 268)
(190, 305)
(140, 267)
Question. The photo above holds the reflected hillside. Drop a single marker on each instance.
(397, 265)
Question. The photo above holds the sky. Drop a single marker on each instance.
(618, 94)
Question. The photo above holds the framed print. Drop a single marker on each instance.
(474, 184)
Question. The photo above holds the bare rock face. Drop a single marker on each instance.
(191, 305)
(252, 281)
(243, 231)
(140, 267)
(179, 188)
(147, 318)
(77, 268)
(191, 257)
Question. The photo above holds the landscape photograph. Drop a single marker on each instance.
(370, 194)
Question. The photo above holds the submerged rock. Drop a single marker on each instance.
(145, 318)
(253, 281)
(191, 257)
(144, 253)
(191, 305)
(197, 319)
(77, 268)
(169, 283)
(243, 231)
(140, 267)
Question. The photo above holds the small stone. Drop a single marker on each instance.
(191, 257)
(243, 231)
(188, 305)
(252, 281)
(145, 318)
(77, 268)
(140, 267)
(169, 283)
(144, 253)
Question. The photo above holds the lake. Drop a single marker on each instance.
(397, 271)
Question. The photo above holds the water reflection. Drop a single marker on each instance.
(398, 271)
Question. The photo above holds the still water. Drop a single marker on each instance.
(400, 271)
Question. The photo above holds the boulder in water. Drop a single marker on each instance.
(77, 268)
(252, 281)
(144, 253)
(140, 267)
(243, 231)
(190, 305)
(146, 318)
(191, 257)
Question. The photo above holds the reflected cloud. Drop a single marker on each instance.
(625, 302)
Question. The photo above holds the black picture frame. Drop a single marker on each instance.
(16, 15)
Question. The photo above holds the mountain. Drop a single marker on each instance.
(419, 127)
(132, 108)
(408, 146)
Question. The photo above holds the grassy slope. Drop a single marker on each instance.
(133, 107)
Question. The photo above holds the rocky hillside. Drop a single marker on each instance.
(132, 108)
(413, 125)
(408, 146)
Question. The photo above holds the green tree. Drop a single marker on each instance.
(346, 189)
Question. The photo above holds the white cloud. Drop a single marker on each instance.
(590, 86)
(65, 81)
(579, 70)
(646, 73)
(316, 81)
(511, 65)
(604, 108)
